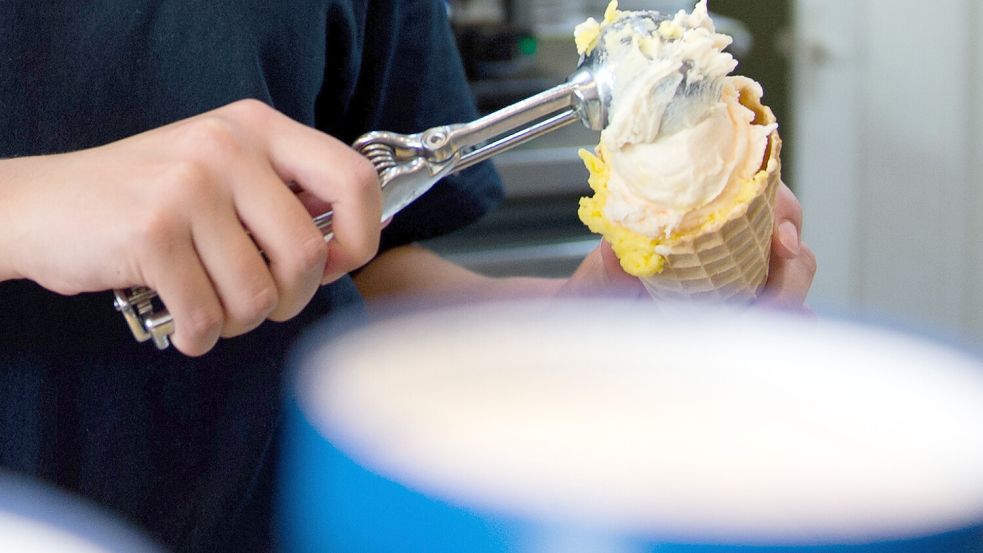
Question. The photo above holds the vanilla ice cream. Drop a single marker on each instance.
(683, 143)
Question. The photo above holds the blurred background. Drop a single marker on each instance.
(879, 104)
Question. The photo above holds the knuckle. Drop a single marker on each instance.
(308, 257)
(256, 306)
(249, 109)
(186, 179)
(312, 254)
(364, 175)
(186, 172)
(202, 324)
(365, 248)
(369, 251)
(796, 210)
(265, 300)
(188, 185)
(158, 230)
(191, 350)
(356, 252)
(210, 137)
(787, 199)
(809, 258)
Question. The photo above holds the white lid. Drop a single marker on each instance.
(722, 426)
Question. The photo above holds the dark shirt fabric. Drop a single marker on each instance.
(185, 448)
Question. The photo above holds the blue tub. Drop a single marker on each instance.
(609, 427)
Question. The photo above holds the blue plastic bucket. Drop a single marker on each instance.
(609, 427)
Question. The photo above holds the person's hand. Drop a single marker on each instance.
(600, 275)
(200, 211)
(792, 268)
(793, 264)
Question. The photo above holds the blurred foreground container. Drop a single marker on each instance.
(36, 518)
(610, 427)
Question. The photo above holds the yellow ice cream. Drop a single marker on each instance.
(587, 33)
(685, 144)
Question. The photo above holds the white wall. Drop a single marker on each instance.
(973, 312)
(889, 158)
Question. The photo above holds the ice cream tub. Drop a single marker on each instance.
(602, 427)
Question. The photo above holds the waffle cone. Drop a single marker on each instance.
(730, 261)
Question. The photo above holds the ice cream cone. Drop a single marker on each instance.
(728, 262)
(688, 165)
(723, 251)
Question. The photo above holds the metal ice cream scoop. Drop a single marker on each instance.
(409, 165)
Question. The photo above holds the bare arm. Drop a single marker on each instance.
(415, 272)
(186, 209)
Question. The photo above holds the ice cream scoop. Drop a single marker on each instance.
(409, 165)
(595, 79)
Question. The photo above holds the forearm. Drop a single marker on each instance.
(12, 177)
(414, 272)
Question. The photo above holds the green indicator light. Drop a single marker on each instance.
(528, 46)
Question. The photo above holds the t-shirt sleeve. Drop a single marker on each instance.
(410, 78)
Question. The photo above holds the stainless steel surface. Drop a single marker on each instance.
(496, 132)
(136, 305)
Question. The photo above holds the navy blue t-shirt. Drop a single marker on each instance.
(185, 447)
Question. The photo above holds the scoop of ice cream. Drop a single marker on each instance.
(654, 185)
(667, 72)
(680, 142)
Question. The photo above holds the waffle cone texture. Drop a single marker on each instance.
(724, 258)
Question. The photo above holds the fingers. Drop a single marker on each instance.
(788, 224)
(334, 175)
(601, 275)
(624, 284)
(190, 298)
(246, 289)
(201, 197)
(234, 193)
(793, 264)
(314, 205)
(294, 247)
(789, 279)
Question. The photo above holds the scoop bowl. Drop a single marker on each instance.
(594, 79)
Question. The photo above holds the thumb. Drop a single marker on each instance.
(614, 274)
(600, 275)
